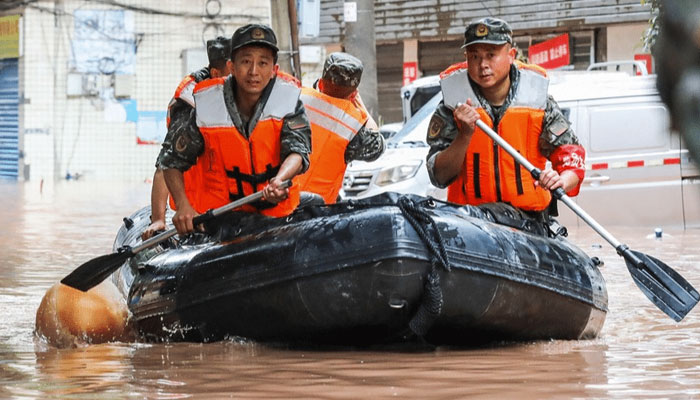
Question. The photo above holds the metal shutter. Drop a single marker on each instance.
(435, 57)
(9, 119)
(389, 80)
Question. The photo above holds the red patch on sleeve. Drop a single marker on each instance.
(570, 157)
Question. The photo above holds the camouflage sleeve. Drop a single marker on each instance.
(201, 74)
(556, 129)
(441, 132)
(184, 142)
(367, 145)
(296, 136)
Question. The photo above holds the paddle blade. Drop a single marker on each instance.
(91, 273)
(662, 285)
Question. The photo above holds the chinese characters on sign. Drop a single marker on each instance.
(410, 72)
(552, 53)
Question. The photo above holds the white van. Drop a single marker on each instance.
(417, 93)
(638, 171)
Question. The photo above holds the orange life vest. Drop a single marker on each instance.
(184, 92)
(233, 166)
(489, 173)
(334, 122)
(191, 177)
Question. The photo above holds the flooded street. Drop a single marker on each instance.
(47, 232)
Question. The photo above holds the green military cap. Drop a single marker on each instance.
(254, 34)
(342, 69)
(218, 49)
(488, 30)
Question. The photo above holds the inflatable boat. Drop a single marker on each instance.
(391, 268)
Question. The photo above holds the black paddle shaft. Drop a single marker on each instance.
(91, 273)
(669, 291)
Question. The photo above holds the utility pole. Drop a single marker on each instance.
(294, 33)
(360, 42)
(282, 11)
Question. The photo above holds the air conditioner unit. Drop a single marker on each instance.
(79, 85)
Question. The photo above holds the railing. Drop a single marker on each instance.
(637, 66)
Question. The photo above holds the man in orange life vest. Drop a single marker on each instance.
(341, 128)
(512, 98)
(179, 108)
(248, 132)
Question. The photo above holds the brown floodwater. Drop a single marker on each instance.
(47, 232)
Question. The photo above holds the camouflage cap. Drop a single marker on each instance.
(218, 49)
(254, 34)
(342, 69)
(488, 30)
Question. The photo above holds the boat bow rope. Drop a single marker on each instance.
(431, 302)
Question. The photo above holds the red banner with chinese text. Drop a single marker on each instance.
(552, 53)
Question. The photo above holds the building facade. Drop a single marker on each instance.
(91, 81)
(84, 86)
(428, 34)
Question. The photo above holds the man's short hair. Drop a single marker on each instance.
(218, 52)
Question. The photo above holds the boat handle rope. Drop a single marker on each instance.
(431, 303)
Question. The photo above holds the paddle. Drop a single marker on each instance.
(669, 291)
(91, 273)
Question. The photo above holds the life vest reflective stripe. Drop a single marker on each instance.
(454, 83)
(233, 166)
(334, 122)
(184, 92)
(191, 177)
(489, 173)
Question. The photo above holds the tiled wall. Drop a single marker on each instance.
(78, 135)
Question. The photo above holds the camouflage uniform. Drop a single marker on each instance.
(218, 50)
(556, 129)
(367, 145)
(345, 70)
(186, 142)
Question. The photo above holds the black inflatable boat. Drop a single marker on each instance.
(392, 268)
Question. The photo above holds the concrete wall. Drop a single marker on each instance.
(88, 135)
(624, 41)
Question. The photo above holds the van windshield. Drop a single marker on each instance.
(422, 96)
(412, 131)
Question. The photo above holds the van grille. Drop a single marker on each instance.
(357, 182)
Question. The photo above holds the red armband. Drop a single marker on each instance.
(570, 157)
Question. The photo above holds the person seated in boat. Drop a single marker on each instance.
(248, 132)
(342, 130)
(179, 108)
(511, 97)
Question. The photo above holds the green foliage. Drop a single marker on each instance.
(652, 32)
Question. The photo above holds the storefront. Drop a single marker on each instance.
(9, 97)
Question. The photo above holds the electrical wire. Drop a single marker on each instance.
(154, 11)
(6, 5)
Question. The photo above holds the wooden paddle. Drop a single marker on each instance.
(91, 273)
(669, 291)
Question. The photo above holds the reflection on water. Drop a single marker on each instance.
(641, 353)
